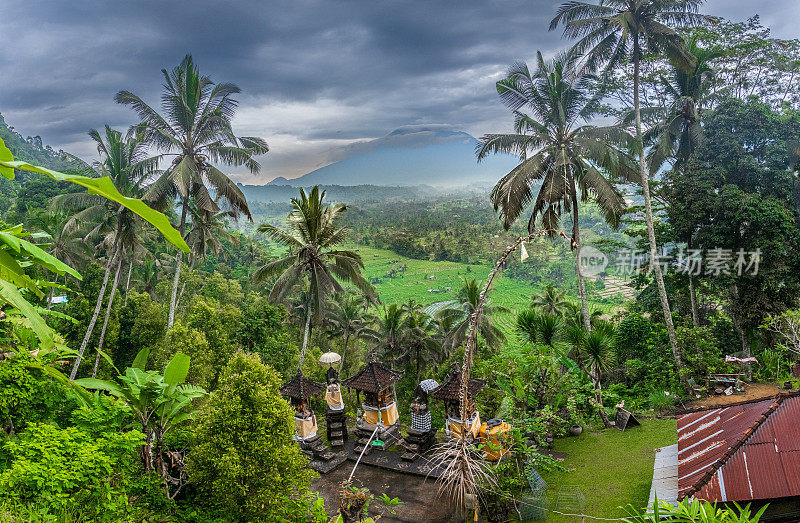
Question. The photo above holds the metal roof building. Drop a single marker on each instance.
(743, 452)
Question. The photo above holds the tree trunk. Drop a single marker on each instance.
(105, 320)
(743, 332)
(576, 237)
(50, 298)
(178, 262)
(648, 216)
(128, 282)
(146, 450)
(183, 286)
(305, 337)
(693, 300)
(598, 396)
(159, 464)
(344, 351)
(419, 357)
(112, 259)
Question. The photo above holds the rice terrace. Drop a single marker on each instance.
(401, 261)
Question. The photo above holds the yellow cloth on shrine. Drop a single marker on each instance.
(334, 397)
(388, 415)
(305, 428)
(455, 427)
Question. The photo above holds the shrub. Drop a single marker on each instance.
(63, 468)
(262, 330)
(27, 396)
(631, 337)
(660, 402)
(245, 463)
(218, 324)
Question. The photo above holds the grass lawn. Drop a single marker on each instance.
(612, 468)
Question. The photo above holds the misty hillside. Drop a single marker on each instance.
(413, 155)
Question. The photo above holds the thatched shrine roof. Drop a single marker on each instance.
(451, 388)
(373, 378)
(301, 387)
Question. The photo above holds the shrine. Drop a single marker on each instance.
(421, 436)
(379, 405)
(299, 390)
(450, 393)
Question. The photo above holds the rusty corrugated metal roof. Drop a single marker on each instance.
(744, 451)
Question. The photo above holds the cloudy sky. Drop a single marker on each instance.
(315, 75)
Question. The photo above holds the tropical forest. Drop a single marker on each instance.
(565, 287)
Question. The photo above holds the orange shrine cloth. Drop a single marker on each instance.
(388, 416)
(453, 428)
(305, 428)
(334, 397)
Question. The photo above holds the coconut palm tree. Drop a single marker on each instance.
(195, 129)
(208, 231)
(313, 235)
(388, 328)
(347, 318)
(613, 32)
(149, 275)
(558, 149)
(572, 314)
(596, 357)
(128, 164)
(458, 314)
(550, 300)
(678, 130)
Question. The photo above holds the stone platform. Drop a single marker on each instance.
(321, 458)
(424, 465)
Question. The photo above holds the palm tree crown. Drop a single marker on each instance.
(678, 131)
(550, 300)
(556, 146)
(610, 30)
(314, 233)
(459, 312)
(195, 127)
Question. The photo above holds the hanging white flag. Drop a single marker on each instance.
(523, 253)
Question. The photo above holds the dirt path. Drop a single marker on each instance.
(418, 494)
(751, 391)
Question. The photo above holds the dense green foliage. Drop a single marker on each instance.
(245, 464)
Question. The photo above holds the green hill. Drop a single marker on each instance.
(32, 150)
(27, 188)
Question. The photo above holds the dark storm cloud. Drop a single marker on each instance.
(315, 75)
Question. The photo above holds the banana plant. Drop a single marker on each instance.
(16, 255)
(159, 401)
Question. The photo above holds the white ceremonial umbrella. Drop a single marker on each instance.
(329, 358)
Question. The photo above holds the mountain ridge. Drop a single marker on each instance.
(435, 155)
